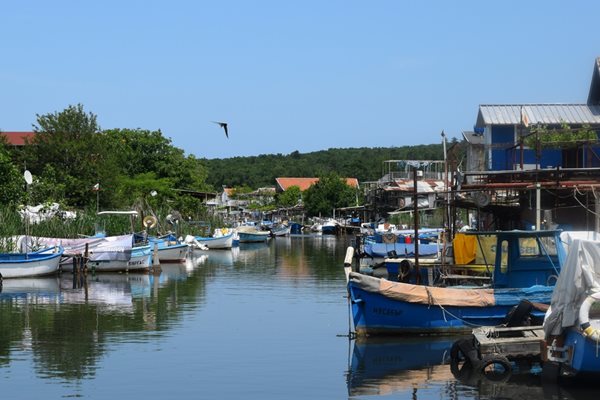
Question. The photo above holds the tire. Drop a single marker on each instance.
(495, 368)
(463, 351)
(519, 314)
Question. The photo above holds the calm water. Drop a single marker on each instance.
(258, 322)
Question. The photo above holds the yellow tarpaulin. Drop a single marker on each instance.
(464, 247)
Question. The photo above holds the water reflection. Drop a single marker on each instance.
(66, 322)
(222, 257)
(420, 366)
(382, 366)
(43, 289)
(113, 292)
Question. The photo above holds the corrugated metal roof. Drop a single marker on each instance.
(408, 185)
(546, 114)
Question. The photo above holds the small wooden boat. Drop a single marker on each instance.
(214, 242)
(249, 234)
(22, 265)
(169, 249)
(140, 259)
(280, 230)
(330, 227)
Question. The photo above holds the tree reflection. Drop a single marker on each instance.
(69, 327)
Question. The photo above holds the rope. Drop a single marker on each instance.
(576, 191)
(431, 301)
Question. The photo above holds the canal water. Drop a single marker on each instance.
(262, 321)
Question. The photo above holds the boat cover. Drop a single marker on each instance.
(579, 276)
(424, 294)
(107, 248)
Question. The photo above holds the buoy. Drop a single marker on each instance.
(584, 317)
(150, 221)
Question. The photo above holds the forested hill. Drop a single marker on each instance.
(363, 163)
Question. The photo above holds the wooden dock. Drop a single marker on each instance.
(514, 342)
(493, 353)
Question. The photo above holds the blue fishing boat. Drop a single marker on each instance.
(330, 227)
(37, 263)
(526, 267)
(572, 333)
(295, 228)
(401, 243)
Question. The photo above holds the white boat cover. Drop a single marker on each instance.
(107, 248)
(424, 294)
(567, 237)
(579, 277)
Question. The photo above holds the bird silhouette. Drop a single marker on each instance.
(224, 126)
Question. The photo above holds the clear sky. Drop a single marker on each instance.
(291, 75)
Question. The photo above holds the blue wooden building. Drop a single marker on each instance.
(521, 176)
(502, 126)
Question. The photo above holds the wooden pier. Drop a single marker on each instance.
(493, 353)
(512, 343)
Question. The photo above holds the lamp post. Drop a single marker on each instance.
(446, 184)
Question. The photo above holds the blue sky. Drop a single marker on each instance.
(291, 75)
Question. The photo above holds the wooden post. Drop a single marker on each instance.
(156, 270)
(85, 258)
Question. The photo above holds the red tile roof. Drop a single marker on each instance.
(17, 138)
(305, 183)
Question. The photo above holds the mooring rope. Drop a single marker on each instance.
(431, 300)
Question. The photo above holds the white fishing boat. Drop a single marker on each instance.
(109, 253)
(140, 259)
(219, 240)
(169, 249)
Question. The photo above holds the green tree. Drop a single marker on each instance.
(11, 180)
(331, 191)
(140, 151)
(290, 197)
(70, 141)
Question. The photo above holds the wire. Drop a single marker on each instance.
(575, 192)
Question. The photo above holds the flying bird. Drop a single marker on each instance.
(224, 126)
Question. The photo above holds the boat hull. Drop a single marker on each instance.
(376, 314)
(16, 265)
(221, 242)
(584, 354)
(174, 253)
(140, 260)
(259, 237)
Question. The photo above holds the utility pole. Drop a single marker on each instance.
(416, 223)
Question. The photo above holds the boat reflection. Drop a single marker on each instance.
(194, 260)
(171, 272)
(519, 385)
(113, 291)
(413, 365)
(39, 290)
(221, 257)
(381, 366)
